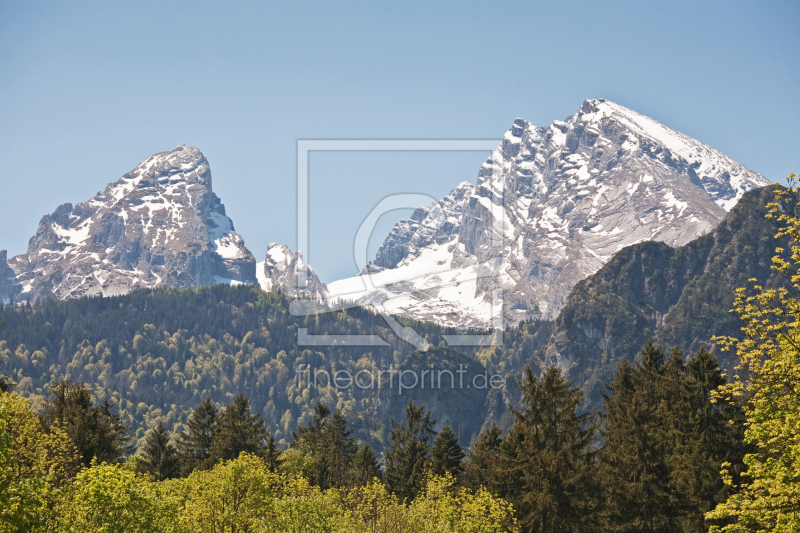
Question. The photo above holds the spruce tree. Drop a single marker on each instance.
(446, 454)
(272, 454)
(546, 462)
(331, 445)
(704, 436)
(239, 431)
(482, 469)
(407, 459)
(633, 467)
(365, 468)
(160, 459)
(194, 447)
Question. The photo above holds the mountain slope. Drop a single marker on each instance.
(157, 353)
(159, 225)
(681, 296)
(551, 206)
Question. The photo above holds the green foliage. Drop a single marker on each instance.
(112, 499)
(768, 498)
(245, 495)
(34, 465)
(234, 496)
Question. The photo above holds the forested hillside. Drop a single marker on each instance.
(681, 296)
(154, 354)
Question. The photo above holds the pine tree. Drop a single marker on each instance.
(160, 459)
(408, 458)
(194, 447)
(446, 454)
(239, 431)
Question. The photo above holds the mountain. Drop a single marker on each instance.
(281, 269)
(551, 206)
(159, 225)
(157, 353)
(680, 296)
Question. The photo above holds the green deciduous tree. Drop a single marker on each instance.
(234, 496)
(768, 499)
(113, 499)
(34, 465)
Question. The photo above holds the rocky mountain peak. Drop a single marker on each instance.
(551, 205)
(159, 225)
(280, 270)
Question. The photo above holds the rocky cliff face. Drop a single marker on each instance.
(159, 225)
(281, 269)
(551, 206)
(9, 286)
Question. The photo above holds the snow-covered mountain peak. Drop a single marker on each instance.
(724, 179)
(551, 205)
(159, 225)
(280, 270)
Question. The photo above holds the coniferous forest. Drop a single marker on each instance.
(179, 410)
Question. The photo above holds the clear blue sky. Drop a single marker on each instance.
(89, 89)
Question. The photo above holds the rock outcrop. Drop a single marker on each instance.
(281, 269)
